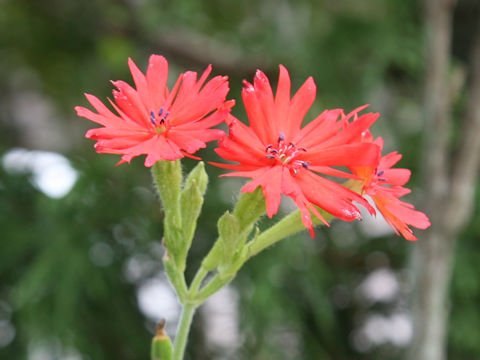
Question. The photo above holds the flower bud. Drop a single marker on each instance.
(162, 348)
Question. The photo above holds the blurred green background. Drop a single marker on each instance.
(80, 254)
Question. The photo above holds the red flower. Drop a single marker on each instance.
(385, 186)
(284, 159)
(151, 120)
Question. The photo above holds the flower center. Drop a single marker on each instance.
(377, 177)
(160, 120)
(286, 154)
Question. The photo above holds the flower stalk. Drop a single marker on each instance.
(288, 226)
(184, 325)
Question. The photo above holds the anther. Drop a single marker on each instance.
(270, 156)
(302, 149)
(164, 118)
(160, 112)
(381, 172)
(281, 137)
(152, 117)
(305, 164)
(268, 147)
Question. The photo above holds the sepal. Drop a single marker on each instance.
(250, 207)
(233, 230)
(167, 176)
(199, 176)
(191, 201)
(229, 236)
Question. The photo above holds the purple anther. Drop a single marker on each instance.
(164, 118)
(152, 117)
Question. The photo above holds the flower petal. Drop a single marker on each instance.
(270, 179)
(140, 84)
(157, 75)
(299, 106)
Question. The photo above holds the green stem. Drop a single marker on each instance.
(176, 278)
(197, 281)
(289, 225)
(183, 329)
(215, 284)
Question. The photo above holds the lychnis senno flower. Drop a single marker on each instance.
(151, 120)
(385, 186)
(285, 159)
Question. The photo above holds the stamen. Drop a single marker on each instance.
(164, 118)
(382, 179)
(286, 155)
(381, 172)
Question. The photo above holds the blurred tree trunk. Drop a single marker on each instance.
(449, 184)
